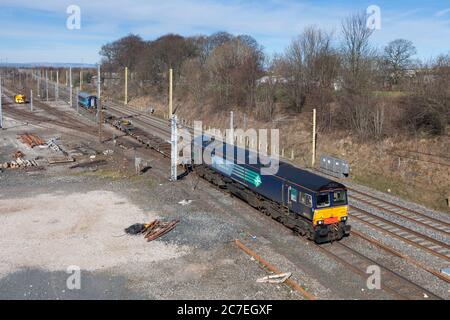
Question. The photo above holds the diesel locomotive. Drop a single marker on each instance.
(311, 205)
(87, 101)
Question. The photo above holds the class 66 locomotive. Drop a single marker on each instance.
(309, 204)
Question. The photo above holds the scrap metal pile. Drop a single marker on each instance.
(152, 230)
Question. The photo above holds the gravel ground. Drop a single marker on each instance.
(82, 229)
(60, 217)
(195, 260)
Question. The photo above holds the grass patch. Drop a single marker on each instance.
(104, 173)
(390, 94)
(430, 198)
(117, 175)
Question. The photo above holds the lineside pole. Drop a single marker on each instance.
(46, 85)
(38, 77)
(99, 106)
(31, 100)
(98, 91)
(100, 120)
(231, 138)
(170, 93)
(126, 86)
(81, 79)
(1, 109)
(174, 148)
(57, 86)
(77, 92)
(313, 160)
(70, 86)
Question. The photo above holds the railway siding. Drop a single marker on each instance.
(374, 219)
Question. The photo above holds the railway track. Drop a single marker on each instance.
(402, 212)
(28, 116)
(392, 282)
(398, 254)
(160, 126)
(395, 283)
(423, 242)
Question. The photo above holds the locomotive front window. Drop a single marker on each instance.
(323, 200)
(339, 198)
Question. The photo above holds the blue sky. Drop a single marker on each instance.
(35, 31)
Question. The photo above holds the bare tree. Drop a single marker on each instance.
(427, 109)
(309, 64)
(357, 52)
(125, 52)
(234, 67)
(267, 90)
(397, 56)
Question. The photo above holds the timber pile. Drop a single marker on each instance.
(19, 163)
(31, 140)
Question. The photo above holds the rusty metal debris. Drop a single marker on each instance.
(152, 230)
(31, 140)
(89, 164)
(18, 154)
(57, 160)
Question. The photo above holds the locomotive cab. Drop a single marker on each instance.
(87, 101)
(19, 99)
(330, 215)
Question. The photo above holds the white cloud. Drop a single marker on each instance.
(443, 12)
(272, 22)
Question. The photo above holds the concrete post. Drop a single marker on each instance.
(46, 85)
(31, 100)
(170, 93)
(39, 84)
(98, 92)
(174, 148)
(231, 137)
(313, 160)
(81, 80)
(77, 92)
(57, 86)
(70, 86)
(126, 86)
(1, 109)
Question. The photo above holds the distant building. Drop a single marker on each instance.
(271, 79)
(338, 84)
